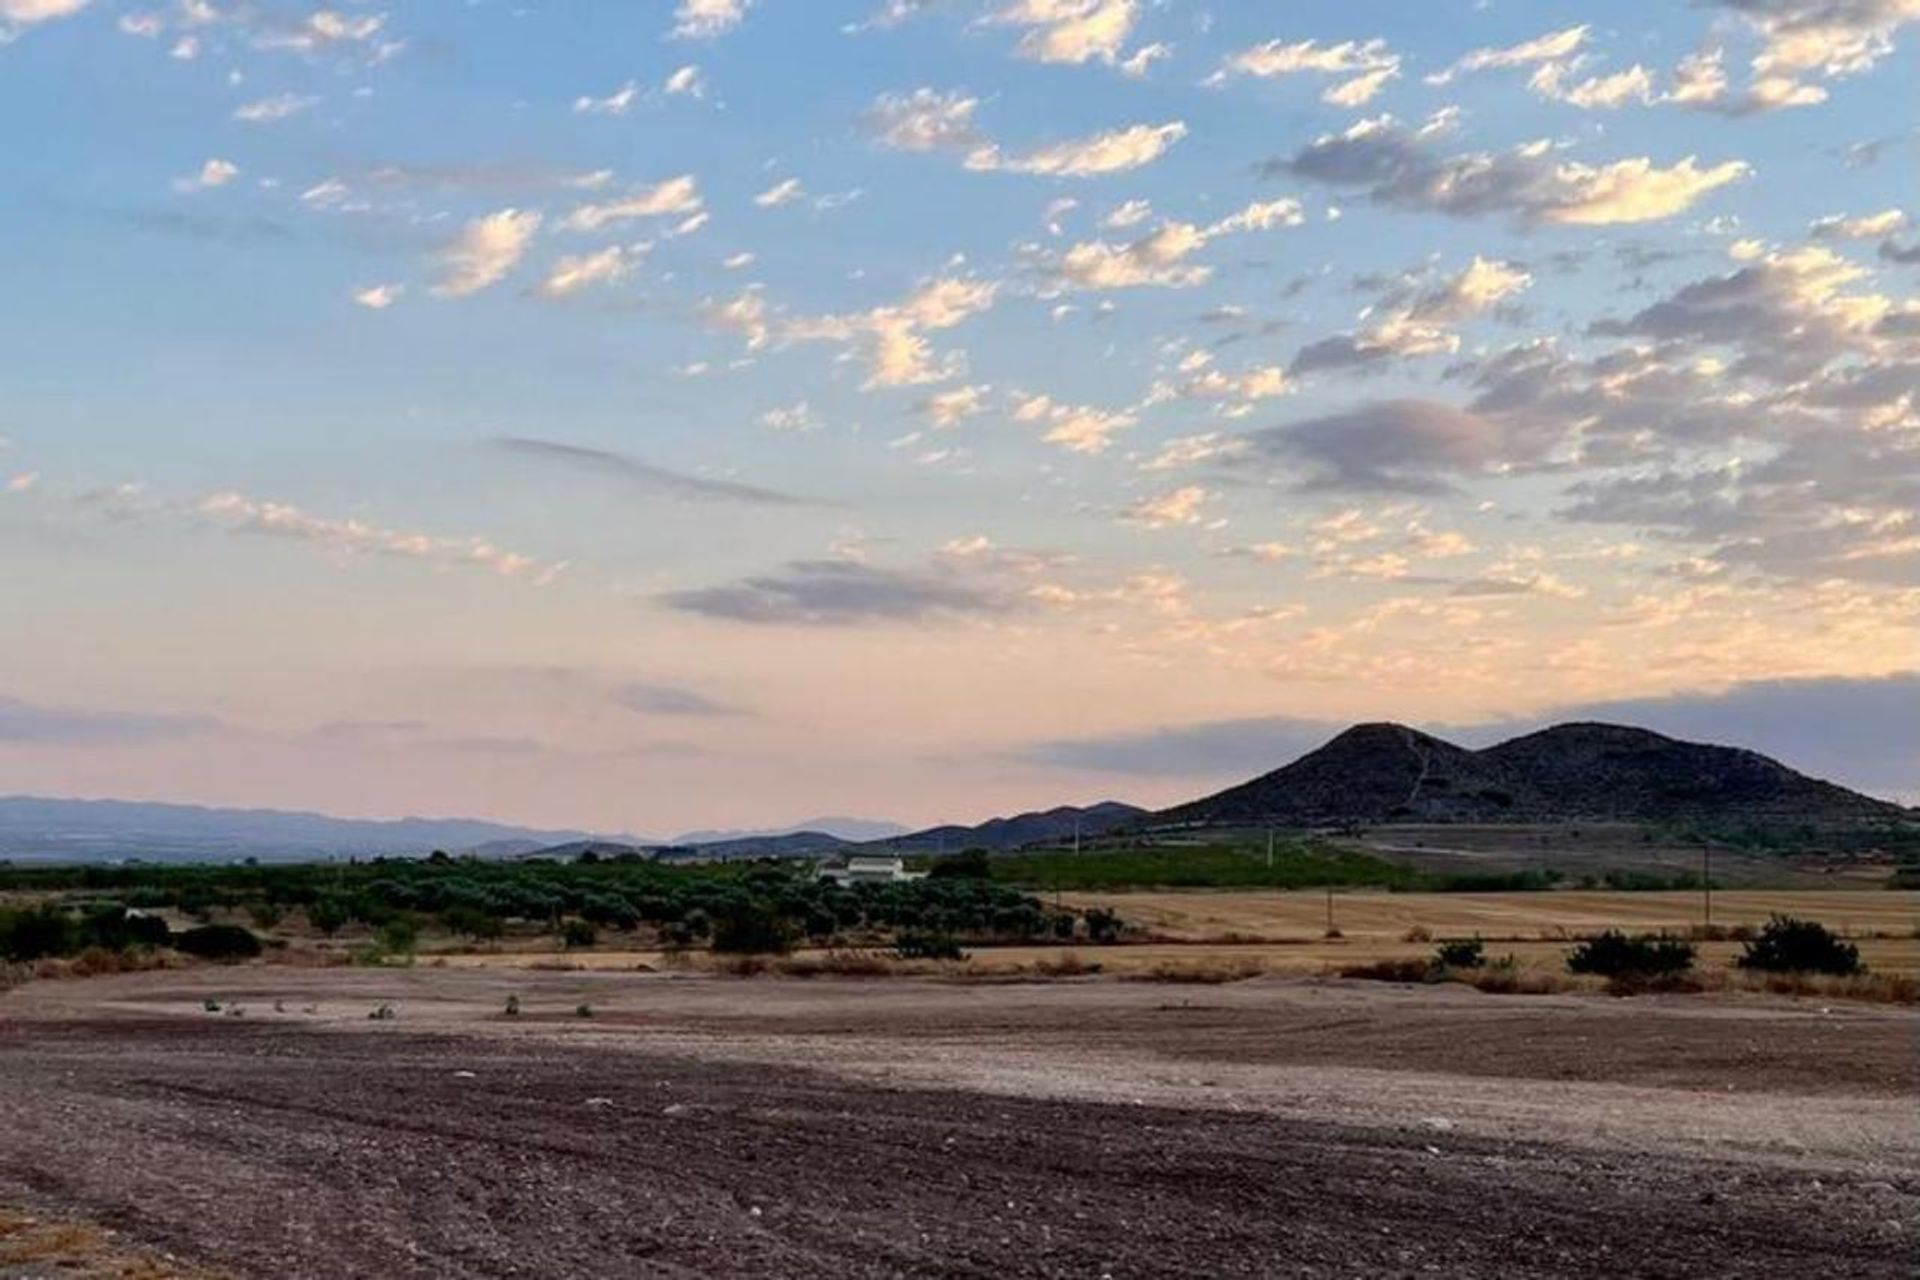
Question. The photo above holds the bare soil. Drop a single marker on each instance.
(703, 1125)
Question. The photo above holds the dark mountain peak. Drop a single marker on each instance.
(1585, 770)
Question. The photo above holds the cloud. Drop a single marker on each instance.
(1416, 321)
(707, 19)
(214, 173)
(924, 120)
(1114, 151)
(574, 272)
(37, 724)
(947, 408)
(1871, 226)
(1401, 168)
(1551, 47)
(1077, 428)
(892, 339)
(378, 297)
(1389, 446)
(485, 251)
(786, 191)
(1365, 67)
(1595, 93)
(669, 700)
(657, 480)
(1164, 510)
(675, 197)
(278, 107)
(617, 103)
(1071, 31)
(838, 593)
(15, 14)
(1160, 257)
(241, 514)
(684, 81)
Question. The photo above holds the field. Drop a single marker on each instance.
(710, 1125)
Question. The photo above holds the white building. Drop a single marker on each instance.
(871, 868)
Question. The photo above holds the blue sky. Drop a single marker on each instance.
(397, 400)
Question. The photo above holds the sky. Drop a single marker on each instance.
(644, 414)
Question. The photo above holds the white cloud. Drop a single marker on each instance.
(1130, 214)
(1870, 226)
(1160, 258)
(1178, 507)
(22, 481)
(1077, 428)
(241, 514)
(1114, 151)
(786, 191)
(574, 272)
(798, 416)
(617, 103)
(672, 198)
(484, 251)
(685, 81)
(924, 120)
(214, 173)
(707, 19)
(744, 314)
(1366, 65)
(1552, 47)
(1417, 321)
(1071, 31)
(1596, 93)
(26, 13)
(946, 408)
(892, 339)
(378, 297)
(278, 107)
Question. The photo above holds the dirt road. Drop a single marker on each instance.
(780, 1127)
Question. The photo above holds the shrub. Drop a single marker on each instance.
(971, 864)
(1613, 954)
(911, 945)
(221, 942)
(1788, 945)
(329, 915)
(513, 1006)
(1103, 925)
(578, 933)
(472, 922)
(398, 937)
(1460, 953)
(40, 931)
(751, 928)
(583, 1010)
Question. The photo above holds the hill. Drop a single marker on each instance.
(1570, 772)
(1020, 830)
(92, 830)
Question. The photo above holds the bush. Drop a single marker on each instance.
(751, 928)
(222, 942)
(969, 865)
(1390, 971)
(398, 937)
(32, 934)
(1787, 945)
(1460, 953)
(329, 915)
(472, 922)
(578, 933)
(1613, 954)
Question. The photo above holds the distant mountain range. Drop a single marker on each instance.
(1371, 773)
(1570, 772)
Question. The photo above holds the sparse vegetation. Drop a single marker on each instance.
(1460, 953)
(1615, 955)
(1789, 945)
(222, 942)
(927, 946)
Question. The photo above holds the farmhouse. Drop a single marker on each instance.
(870, 868)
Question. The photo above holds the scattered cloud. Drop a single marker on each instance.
(36, 724)
(707, 19)
(1077, 428)
(1401, 168)
(617, 103)
(1164, 510)
(839, 593)
(674, 198)
(241, 514)
(278, 107)
(575, 272)
(1364, 67)
(378, 297)
(485, 251)
(669, 700)
(214, 173)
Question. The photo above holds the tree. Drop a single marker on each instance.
(1788, 945)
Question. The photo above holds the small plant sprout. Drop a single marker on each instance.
(583, 1010)
(210, 1005)
(382, 1012)
(513, 1006)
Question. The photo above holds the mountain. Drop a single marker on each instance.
(842, 828)
(1389, 772)
(91, 830)
(1022, 829)
(785, 844)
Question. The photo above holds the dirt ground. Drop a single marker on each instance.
(698, 1125)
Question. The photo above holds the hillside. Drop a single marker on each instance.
(1570, 772)
(1023, 829)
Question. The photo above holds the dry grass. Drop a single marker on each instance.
(1207, 971)
(1876, 988)
(1389, 971)
(1068, 964)
(95, 962)
(840, 964)
(31, 1246)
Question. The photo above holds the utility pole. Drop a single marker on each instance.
(1269, 848)
(1706, 880)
